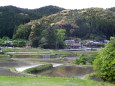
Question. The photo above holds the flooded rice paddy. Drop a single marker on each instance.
(60, 68)
(68, 71)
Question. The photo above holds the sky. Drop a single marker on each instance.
(67, 4)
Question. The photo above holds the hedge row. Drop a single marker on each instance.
(86, 59)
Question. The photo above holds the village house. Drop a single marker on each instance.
(8, 42)
(71, 44)
(93, 44)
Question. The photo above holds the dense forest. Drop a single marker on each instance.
(49, 26)
(92, 23)
(11, 17)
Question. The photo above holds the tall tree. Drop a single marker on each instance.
(60, 37)
(23, 32)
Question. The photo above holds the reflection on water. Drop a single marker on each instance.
(8, 62)
(20, 69)
(68, 71)
(46, 56)
(49, 56)
(58, 70)
(19, 65)
(8, 72)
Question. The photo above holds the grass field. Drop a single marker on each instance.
(48, 81)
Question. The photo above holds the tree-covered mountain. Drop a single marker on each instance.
(112, 9)
(11, 17)
(92, 23)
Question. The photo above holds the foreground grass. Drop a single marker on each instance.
(48, 81)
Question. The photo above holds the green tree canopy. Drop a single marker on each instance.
(23, 32)
(104, 65)
(60, 37)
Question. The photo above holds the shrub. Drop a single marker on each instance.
(19, 43)
(86, 59)
(104, 65)
(38, 69)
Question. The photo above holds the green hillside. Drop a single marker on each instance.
(92, 23)
(11, 17)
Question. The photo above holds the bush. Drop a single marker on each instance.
(38, 69)
(19, 43)
(86, 59)
(104, 65)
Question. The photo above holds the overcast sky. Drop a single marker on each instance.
(68, 4)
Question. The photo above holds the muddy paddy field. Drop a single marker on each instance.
(61, 66)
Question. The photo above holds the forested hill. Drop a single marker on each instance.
(11, 17)
(92, 23)
(112, 9)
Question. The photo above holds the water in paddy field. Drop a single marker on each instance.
(18, 64)
(6, 63)
(58, 70)
(69, 71)
(9, 62)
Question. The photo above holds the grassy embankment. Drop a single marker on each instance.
(3, 55)
(49, 81)
(38, 69)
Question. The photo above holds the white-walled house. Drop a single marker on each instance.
(72, 44)
(69, 42)
(9, 42)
